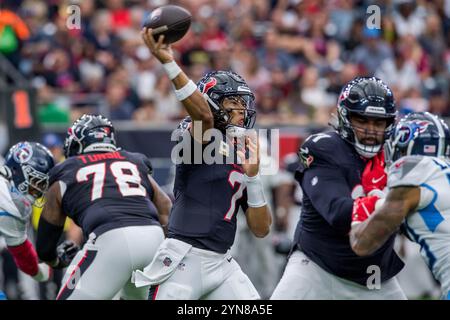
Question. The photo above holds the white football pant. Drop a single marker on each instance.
(105, 264)
(305, 280)
(206, 275)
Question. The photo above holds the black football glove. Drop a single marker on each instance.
(66, 251)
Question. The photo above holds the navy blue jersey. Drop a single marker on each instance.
(330, 176)
(207, 199)
(105, 191)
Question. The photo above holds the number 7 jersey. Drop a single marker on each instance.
(104, 191)
(429, 226)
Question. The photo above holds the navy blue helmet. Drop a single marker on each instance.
(90, 133)
(30, 163)
(366, 97)
(418, 133)
(217, 85)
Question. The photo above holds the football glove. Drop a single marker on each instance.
(374, 176)
(66, 251)
(362, 208)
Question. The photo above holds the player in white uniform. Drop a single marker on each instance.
(23, 178)
(419, 196)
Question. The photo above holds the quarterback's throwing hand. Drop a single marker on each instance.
(163, 52)
(250, 159)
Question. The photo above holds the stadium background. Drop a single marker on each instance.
(294, 54)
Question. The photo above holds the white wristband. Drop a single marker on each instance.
(255, 192)
(43, 274)
(172, 69)
(186, 91)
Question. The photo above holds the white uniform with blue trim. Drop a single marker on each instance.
(15, 210)
(429, 226)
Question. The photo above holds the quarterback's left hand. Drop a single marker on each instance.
(374, 176)
(362, 208)
(250, 164)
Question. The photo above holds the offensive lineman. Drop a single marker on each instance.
(110, 194)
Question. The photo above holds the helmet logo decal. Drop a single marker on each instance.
(377, 110)
(208, 85)
(243, 89)
(405, 134)
(422, 126)
(407, 131)
(23, 152)
(101, 133)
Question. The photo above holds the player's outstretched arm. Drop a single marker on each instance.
(162, 203)
(259, 217)
(185, 89)
(26, 259)
(51, 226)
(366, 237)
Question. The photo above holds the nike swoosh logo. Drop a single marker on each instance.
(377, 180)
(229, 259)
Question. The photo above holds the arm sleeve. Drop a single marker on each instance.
(25, 257)
(330, 195)
(48, 236)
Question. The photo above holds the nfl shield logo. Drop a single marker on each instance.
(429, 148)
(167, 261)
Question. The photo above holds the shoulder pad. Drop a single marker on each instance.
(411, 171)
(317, 148)
(6, 202)
(185, 123)
(182, 127)
(60, 169)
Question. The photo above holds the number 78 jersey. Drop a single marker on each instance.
(104, 191)
(429, 226)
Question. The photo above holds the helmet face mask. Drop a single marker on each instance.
(90, 133)
(419, 133)
(367, 98)
(220, 86)
(30, 164)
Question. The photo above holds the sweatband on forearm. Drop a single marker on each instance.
(172, 69)
(255, 192)
(47, 239)
(186, 91)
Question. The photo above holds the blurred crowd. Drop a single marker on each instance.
(295, 54)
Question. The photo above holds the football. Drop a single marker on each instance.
(171, 21)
